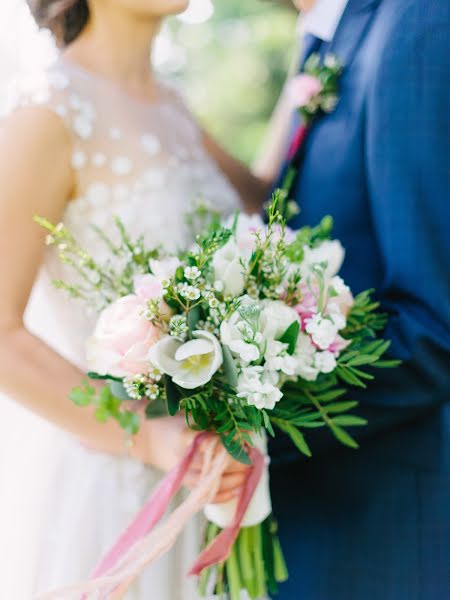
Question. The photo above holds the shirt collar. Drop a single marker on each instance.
(323, 19)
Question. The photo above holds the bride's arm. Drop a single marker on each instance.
(36, 178)
(252, 189)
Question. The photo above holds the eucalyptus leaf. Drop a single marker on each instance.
(118, 390)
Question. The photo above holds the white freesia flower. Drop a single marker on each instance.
(228, 269)
(325, 361)
(256, 386)
(165, 268)
(322, 330)
(278, 359)
(330, 252)
(276, 317)
(190, 364)
(305, 354)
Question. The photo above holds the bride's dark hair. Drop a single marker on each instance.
(65, 18)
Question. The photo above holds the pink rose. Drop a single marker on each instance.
(148, 287)
(122, 339)
(303, 88)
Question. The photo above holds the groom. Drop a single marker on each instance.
(374, 524)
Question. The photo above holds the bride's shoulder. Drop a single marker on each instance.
(30, 121)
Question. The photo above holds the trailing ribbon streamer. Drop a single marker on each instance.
(142, 543)
(220, 547)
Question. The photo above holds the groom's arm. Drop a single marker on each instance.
(408, 133)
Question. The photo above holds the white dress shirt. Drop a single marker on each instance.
(323, 19)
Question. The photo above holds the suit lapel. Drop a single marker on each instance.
(351, 29)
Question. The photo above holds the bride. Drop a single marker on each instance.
(99, 136)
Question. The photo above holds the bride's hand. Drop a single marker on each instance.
(163, 442)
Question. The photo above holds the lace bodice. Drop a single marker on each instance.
(143, 162)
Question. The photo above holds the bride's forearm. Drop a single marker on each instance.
(40, 380)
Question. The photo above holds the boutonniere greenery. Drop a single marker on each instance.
(316, 89)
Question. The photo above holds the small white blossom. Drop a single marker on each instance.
(257, 389)
(192, 273)
(278, 359)
(325, 361)
(322, 330)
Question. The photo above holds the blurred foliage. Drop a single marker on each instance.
(233, 66)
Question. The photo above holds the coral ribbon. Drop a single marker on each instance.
(143, 542)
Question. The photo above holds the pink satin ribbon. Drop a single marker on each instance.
(141, 544)
(297, 141)
(221, 546)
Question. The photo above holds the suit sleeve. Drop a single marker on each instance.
(408, 163)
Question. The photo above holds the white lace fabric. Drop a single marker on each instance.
(144, 163)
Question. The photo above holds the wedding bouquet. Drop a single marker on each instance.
(249, 332)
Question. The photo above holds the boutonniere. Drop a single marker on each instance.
(314, 92)
(316, 89)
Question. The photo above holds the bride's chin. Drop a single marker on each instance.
(174, 7)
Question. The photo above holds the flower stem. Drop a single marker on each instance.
(233, 575)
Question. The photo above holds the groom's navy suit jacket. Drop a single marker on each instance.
(374, 524)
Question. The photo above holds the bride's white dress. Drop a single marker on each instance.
(63, 505)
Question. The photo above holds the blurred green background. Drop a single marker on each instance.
(232, 67)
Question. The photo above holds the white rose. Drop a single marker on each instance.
(330, 252)
(322, 330)
(276, 317)
(229, 270)
(190, 364)
(325, 361)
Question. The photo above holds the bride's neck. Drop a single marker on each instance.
(116, 49)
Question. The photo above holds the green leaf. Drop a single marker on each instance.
(129, 421)
(229, 367)
(97, 376)
(348, 377)
(349, 421)
(83, 395)
(362, 359)
(267, 423)
(193, 317)
(290, 336)
(118, 390)
(387, 364)
(235, 449)
(337, 407)
(296, 436)
(173, 396)
(342, 436)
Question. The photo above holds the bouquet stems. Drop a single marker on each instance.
(255, 565)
